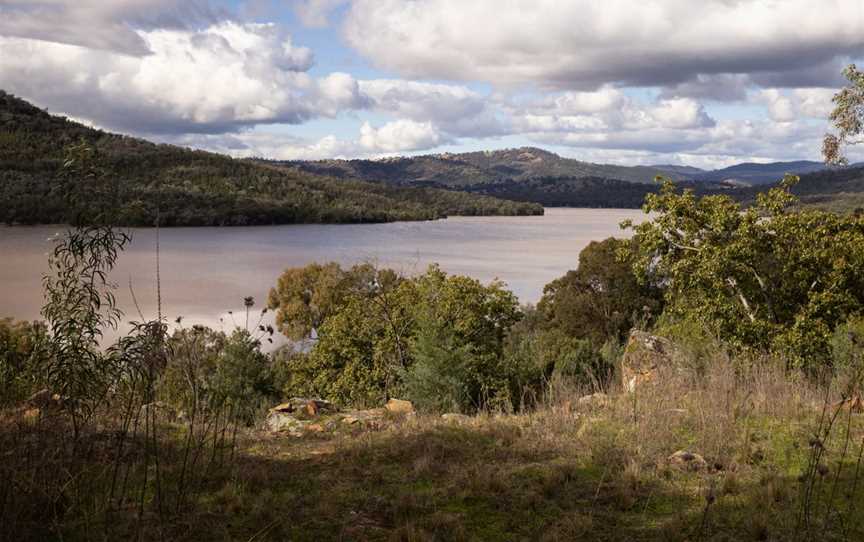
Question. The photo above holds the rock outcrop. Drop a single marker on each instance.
(400, 406)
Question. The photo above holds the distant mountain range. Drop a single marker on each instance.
(535, 175)
(466, 170)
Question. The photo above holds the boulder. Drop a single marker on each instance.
(283, 422)
(305, 407)
(643, 356)
(687, 461)
(399, 406)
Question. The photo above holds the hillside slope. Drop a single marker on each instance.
(467, 170)
(754, 174)
(529, 174)
(197, 188)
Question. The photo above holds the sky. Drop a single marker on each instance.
(705, 83)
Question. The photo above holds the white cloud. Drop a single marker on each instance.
(454, 109)
(100, 24)
(609, 110)
(399, 136)
(585, 43)
(786, 106)
(216, 79)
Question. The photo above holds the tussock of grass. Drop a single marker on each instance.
(590, 473)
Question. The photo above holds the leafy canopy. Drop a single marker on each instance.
(768, 277)
(602, 298)
(847, 117)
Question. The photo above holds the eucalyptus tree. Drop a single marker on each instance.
(771, 277)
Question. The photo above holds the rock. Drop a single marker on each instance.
(454, 417)
(595, 400)
(305, 407)
(687, 461)
(643, 356)
(399, 406)
(282, 422)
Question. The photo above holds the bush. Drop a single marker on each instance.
(18, 341)
(385, 331)
(210, 368)
(847, 343)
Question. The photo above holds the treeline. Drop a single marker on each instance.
(195, 188)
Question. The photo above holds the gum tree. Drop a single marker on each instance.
(847, 117)
(770, 277)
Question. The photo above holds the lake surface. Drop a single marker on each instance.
(208, 271)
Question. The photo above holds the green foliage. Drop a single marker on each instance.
(79, 306)
(847, 343)
(361, 318)
(459, 344)
(847, 117)
(192, 188)
(602, 299)
(18, 344)
(764, 278)
(207, 367)
(304, 297)
(380, 332)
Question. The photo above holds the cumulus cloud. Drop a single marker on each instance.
(220, 78)
(455, 109)
(787, 106)
(584, 43)
(717, 87)
(391, 138)
(610, 109)
(97, 24)
(400, 135)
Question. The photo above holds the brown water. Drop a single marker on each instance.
(207, 271)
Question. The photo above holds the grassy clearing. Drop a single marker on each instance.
(563, 472)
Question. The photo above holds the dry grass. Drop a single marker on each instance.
(562, 472)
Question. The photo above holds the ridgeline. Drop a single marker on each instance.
(196, 188)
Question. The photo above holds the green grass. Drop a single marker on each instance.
(596, 473)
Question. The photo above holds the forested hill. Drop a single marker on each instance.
(535, 175)
(196, 188)
(468, 170)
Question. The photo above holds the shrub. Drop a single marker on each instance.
(371, 342)
(18, 341)
(847, 343)
(210, 368)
